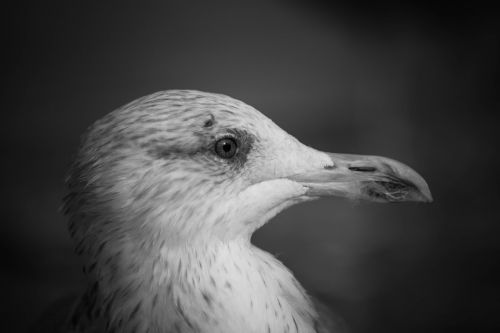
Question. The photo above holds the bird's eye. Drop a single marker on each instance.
(226, 148)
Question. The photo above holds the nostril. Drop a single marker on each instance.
(363, 169)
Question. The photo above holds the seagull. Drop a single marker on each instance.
(164, 196)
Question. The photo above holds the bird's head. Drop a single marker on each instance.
(186, 166)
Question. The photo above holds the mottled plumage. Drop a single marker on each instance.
(163, 219)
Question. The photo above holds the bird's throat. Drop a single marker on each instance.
(219, 287)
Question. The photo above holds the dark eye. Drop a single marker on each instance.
(226, 148)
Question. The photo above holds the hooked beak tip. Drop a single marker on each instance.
(425, 194)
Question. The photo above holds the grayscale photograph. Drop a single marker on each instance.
(250, 167)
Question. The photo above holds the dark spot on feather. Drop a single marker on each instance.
(295, 323)
(263, 280)
(207, 298)
(185, 318)
(147, 132)
(179, 267)
(107, 308)
(101, 247)
(210, 122)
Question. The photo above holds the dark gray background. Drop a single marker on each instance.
(417, 82)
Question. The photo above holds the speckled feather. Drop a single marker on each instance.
(163, 224)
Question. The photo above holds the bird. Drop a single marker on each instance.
(163, 197)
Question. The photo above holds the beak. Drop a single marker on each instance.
(371, 178)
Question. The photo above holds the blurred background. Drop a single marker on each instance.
(418, 82)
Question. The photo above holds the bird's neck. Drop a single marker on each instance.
(217, 287)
